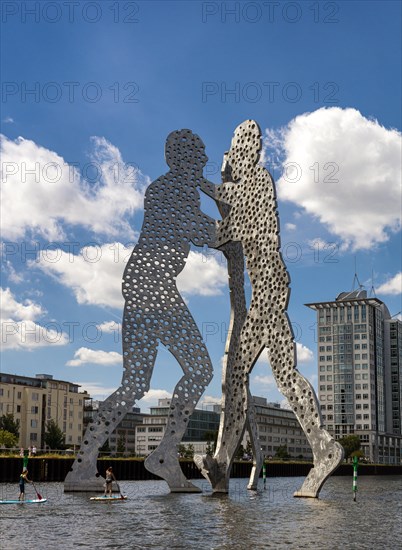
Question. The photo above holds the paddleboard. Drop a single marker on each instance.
(27, 501)
(109, 499)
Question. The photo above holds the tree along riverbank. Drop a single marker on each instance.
(56, 469)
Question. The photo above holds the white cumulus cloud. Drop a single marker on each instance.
(84, 356)
(109, 326)
(19, 326)
(41, 191)
(97, 390)
(151, 398)
(267, 380)
(203, 275)
(95, 273)
(344, 170)
(393, 286)
(304, 354)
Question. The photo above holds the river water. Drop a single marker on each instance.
(242, 520)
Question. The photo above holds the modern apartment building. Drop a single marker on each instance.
(278, 427)
(360, 373)
(201, 423)
(35, 401)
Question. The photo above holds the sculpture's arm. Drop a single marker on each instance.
(226, 232)
(204, 231)
(208, 187)
(227, 192)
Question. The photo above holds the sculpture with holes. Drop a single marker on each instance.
(155, 312)
(252, 220)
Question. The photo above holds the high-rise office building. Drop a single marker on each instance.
(360, 373)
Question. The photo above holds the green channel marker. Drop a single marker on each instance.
(355, 463)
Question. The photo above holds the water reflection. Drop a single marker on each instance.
(154, 518)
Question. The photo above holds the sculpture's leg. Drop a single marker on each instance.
(185, 343)
(258, 457)
(327, 453)
(233, 417)
(138, 366)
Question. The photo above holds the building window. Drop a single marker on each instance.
(34, 410)
(33, 436)
(35, 396)
(19, 395)
(34, 423)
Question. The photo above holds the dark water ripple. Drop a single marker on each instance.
(154, 518)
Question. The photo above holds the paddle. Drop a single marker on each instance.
(118, 488)
(38, 494)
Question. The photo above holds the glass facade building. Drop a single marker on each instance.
(359, 372)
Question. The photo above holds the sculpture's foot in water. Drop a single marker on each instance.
(324, 466)
(216, 473)
(168, 468)
(84, 479)
(254, 476)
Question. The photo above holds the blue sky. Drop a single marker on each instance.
(90, 93)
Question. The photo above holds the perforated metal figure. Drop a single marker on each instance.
(156, 313)
(253, 220)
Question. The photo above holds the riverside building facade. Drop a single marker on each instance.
(35, 401)
(277, 427)
(360, 373)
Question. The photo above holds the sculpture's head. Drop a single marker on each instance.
(244, 152)
(185, 150)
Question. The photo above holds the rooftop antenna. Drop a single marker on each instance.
(372, 289)
(356, 278)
